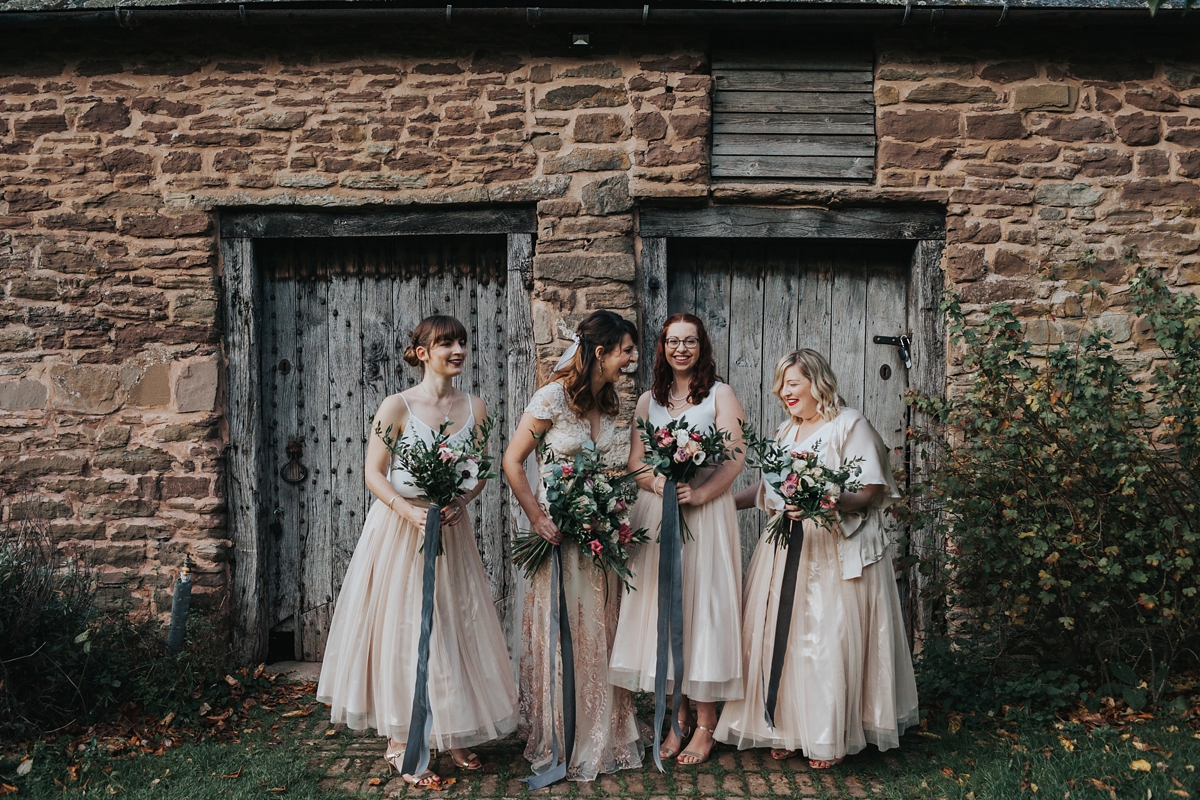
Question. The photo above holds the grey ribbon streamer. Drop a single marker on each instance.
(420, 723)
(783, 615)
(560, 633)
(670, 618)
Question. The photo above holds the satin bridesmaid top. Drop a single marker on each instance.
(416, 429)
(702, 417)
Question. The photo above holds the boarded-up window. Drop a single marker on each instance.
(794, 116)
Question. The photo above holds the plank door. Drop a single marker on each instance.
(338, 316)
(761, 299)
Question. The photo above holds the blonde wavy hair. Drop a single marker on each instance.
(824, 383)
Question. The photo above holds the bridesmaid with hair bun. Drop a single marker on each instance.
(370, 666)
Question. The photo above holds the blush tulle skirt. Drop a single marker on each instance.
(370, 665)
(712, 613)
(848, 678)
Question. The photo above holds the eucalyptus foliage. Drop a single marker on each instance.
(1065, 492)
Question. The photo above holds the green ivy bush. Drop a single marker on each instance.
(66, 659)
(1065, 497)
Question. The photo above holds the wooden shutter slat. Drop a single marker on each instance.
(800, 124)
(782, 102)
(784, 145)
(854, 167)
(792, 81)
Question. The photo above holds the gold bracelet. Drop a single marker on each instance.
(392, 501)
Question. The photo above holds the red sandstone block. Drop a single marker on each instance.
(184, 486)
(908, 156)
(1137, 129)
(995, 126)
(153, 226)
(919, 126)
(1160, 192)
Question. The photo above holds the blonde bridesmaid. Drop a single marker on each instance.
(847, 677)
(370, 666)
(686, 387)
(576, 408)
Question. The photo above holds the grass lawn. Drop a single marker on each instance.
(283, 747)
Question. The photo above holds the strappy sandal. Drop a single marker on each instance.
(696, 756)
(687, 731)
(779, 754)
(430, 781)
(816, 763)
(471, 764)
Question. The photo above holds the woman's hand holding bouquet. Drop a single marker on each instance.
(590, 508)
(801, 480)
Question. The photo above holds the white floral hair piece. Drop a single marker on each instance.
(569, 353)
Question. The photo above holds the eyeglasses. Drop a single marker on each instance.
(673, 343)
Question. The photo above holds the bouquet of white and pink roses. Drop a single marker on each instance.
(590, 506)
(799, 477)
(677, 451)
(440, 470)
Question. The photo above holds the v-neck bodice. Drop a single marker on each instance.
(418, 429)
(701, 417)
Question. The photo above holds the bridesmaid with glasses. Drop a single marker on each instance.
(686, 386)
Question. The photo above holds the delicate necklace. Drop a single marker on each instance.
(436, 407)
(676, 401)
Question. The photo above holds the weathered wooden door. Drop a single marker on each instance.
(762, 298)
(338, 315)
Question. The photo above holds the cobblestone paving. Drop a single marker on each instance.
(353, 763)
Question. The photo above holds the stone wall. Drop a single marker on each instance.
(117, 156)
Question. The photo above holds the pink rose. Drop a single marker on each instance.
(682, 455)
(568, 470)
(447, 455)
(829, 502)
(621, 505)
(624, 534)
(696, 437)
(597, 548)
(790, 484)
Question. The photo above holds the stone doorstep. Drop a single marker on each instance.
(296, 671)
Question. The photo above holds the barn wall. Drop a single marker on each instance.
(118, 150)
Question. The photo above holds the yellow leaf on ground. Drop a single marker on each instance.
(1141, 765)
(302, 712)
(374, 781)
(233, 775)
(1067, 744)
(928, 735)
(7, 788)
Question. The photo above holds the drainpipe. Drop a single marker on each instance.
(180, 602)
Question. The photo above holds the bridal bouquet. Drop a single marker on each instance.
(799, 477)
(441, 471)
(591, 508)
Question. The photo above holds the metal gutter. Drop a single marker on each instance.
(743, 16)
(882, 13)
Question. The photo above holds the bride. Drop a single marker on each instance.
(579, 405)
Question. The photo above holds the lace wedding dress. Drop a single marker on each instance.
(606, 735)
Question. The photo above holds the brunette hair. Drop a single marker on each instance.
(824, 383)
(703, 376)
(603, 329)
(434, 330)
